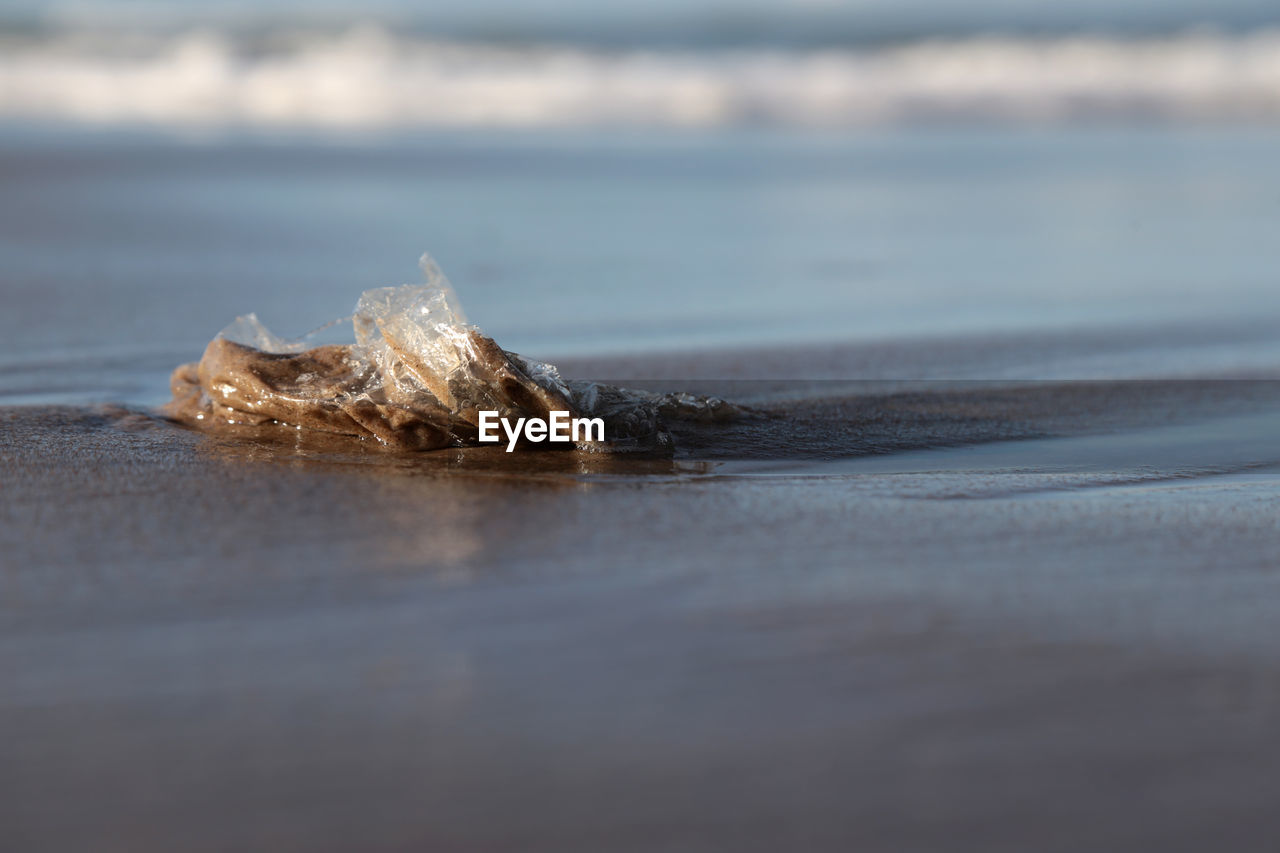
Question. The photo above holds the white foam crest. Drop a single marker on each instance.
(367, 77)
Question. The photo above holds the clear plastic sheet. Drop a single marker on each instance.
(417, 377)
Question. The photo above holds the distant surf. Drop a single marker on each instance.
(370, 77)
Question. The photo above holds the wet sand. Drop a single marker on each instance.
(942, 616)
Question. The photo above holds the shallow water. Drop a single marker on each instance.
(124, 251)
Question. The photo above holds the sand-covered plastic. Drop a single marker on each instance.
(417, 377)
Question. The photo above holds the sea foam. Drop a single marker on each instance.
(368, 77)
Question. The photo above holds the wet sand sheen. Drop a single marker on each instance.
(344, 647)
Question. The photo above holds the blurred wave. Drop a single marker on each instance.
(366, 76)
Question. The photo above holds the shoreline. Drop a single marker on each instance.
(972, 590)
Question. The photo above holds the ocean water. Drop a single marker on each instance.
(125, 249)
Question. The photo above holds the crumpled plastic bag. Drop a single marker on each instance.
(416, 378)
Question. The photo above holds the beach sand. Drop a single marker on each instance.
(936, 615)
